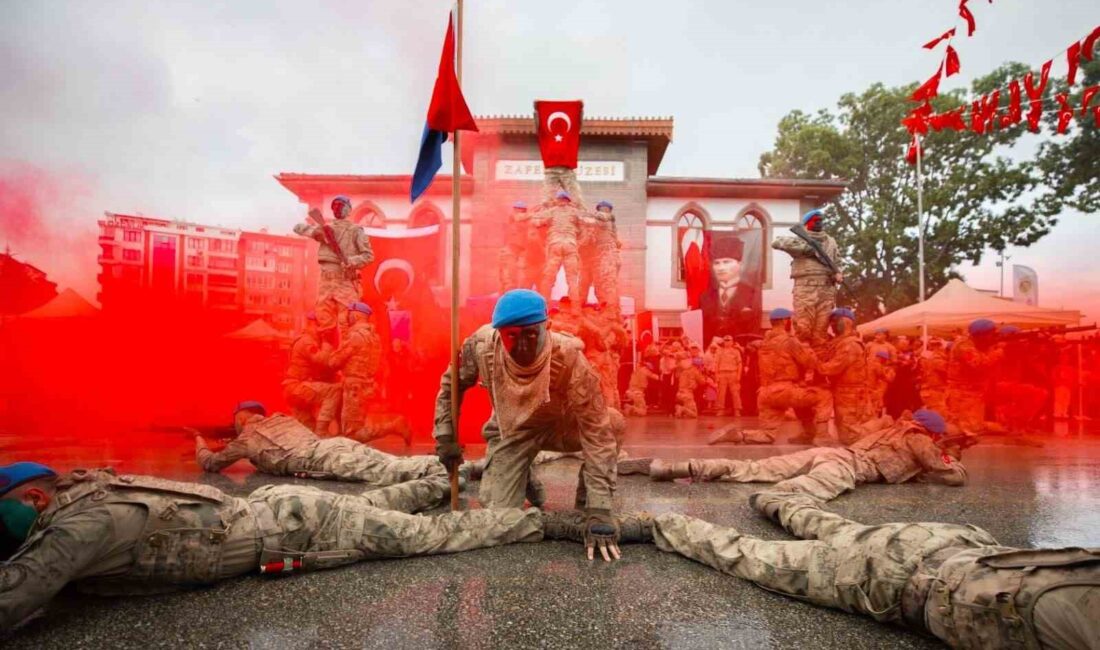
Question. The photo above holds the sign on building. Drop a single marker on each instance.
(590, 171)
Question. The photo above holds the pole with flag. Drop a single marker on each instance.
(447, 113)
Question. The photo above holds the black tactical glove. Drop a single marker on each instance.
(601, 531)
(448, 451)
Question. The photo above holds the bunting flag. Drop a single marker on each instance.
(1073, 57)
(946, 36)
(952, 61)
(1035, 95)
(1090, 44)
(928, 89)
(1014, 114)
(983, 112)
(968, 16)
(1065, 112)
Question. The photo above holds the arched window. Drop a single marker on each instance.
(692, 222)
(753, 223)
(427, 214)
(369, 215)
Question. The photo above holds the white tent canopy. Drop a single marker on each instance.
(952, 308)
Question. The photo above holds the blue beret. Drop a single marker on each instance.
(341, 198)
(520, 205)
(16, 474)
(562, 194)
(250, 405)
(519, 308)
(982, 326)
(842, 312)
(780, 313)
(361, 307)
(883, 354)
(605, 204)
(1010, 329)
(811, 214)
(930, 420)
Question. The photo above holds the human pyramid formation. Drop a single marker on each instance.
(115, 533)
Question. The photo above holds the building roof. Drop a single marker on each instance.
(312, 187)
(765, 188)
(656, 131)
(67, 304)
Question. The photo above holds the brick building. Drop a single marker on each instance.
(254, 274)
(619, 161)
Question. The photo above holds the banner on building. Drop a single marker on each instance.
(731, 300)
(1025, 285)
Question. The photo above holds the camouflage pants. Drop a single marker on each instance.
(513, 269)
(849, 410)
(935, 399)
(353, 415)
(559, 254)
(308, 397)
(608, 371)
(556, 179)
(607, 277)
(810, 403)
(822, 472)
(508, 460)
(347, 460)
(636, 405)
(966, 408)
(729, 383)
(325, 529)
(335, 291)
(381, 425)
(814, 299)
(586, 276)
(685, 404)
(837, 562)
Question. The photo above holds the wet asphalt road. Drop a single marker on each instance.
(547, 595)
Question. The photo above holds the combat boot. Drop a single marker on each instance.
(568, 525)
(634, 466)
(535, 492)
(636, 528)
(472, 469)
(770, 503)
(661, 470)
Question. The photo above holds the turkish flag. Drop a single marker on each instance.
(558, 125)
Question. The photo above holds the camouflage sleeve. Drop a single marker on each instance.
(345, 352)
(467, 377)
(310, 230)
(365, 255)
(49, 560)
(803, 355)
(598, 444)
(839, 362)
(937, 465)
(211, 461)
(793, 246)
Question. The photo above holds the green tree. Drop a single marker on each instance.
(976, 196)
(1070, 164)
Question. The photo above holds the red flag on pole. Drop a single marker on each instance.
(559, 131)
(448, 111)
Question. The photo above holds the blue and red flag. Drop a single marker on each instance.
(447, 113)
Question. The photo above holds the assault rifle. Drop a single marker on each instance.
(1025, 335)
(221, 431)
(820, 254)
(330, 239)
(961, 441)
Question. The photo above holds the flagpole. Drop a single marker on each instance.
(456, 235)
(920, 238)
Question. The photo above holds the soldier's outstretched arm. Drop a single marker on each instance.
(366, 253)
(48, 561)
(792, 246)
(310, 230)
(211, 461)
(938, 466)
(804, 356)
(467, 377)
(341, 355)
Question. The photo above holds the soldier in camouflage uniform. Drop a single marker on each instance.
(114, 534)
(545, 396)
(690, 379)
(339, 285)
(281, 446)
(559, 180)
(972, 359)
(513, 256)
(894, 453)
(639, 383)
(561, 247)
(358, 357)
(728, 365)
(304, 390)
(814, 283)
(844, 363)
(880, 376)
(599, 255)
(951, 581)
(932, 371)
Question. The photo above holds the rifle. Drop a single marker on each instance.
(962, 441)
(819, 253)
(1046, 331)
(330, 239)
(219, 431)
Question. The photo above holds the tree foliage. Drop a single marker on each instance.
(977, 193)
(1071, 164)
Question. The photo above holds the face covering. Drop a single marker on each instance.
(525, 344)
(816, 224)
(17, 518)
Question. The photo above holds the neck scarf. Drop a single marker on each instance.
(519, 391)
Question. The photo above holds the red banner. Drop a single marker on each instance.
(558, 125)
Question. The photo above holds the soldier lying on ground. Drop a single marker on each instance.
(951, 581)
(115, 534)
(895, 452)
(282, 446)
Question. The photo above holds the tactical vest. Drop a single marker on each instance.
(986, 598)
(889, 453)
(181, 543)
(346, 234)
(808, 267)
(776, 362)
(855, 375)
(283, 442)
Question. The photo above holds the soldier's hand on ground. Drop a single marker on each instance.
(602, 532)
(448, 451)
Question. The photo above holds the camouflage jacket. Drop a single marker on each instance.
(351, 238)
(563, 224)
(933, 371)
(845, 363)
(575, 396)
(968, 367)
(784, 358)
(728, 360)
(805, 263)
(277, 445)
(122, 534)
(904, 451)
(360, 353)
(308, 359)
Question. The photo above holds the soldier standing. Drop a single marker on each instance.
(561, 247)
(358, 358)
(880, 341)
(608, 260)
(952, 581)
(545, 396)
(345, 250)
(880, 376)
(814, 282)
(932, 371)
(513, 256)
(728, 364)
(972, 358)
(845, 365)
(303, 389)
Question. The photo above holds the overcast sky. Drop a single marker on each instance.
(186, 110)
